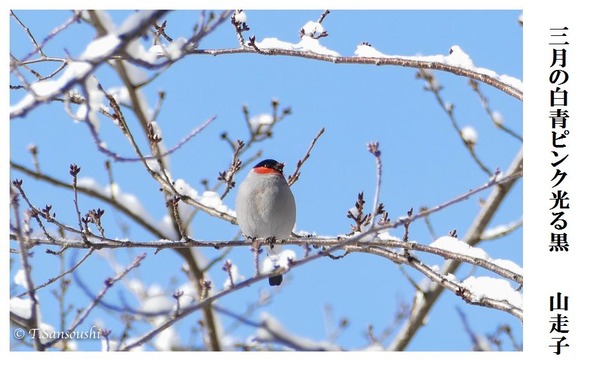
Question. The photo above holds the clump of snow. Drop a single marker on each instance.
(312, 29)
(167, 228)
(509, 265)
(366, 50)
(120, 94)
(175, 49)
(90, 184)
(137, 75)
(133, 21)
(455, 245)
(277, 260)
(494, 288)
(469, 135)
(157, 304)
(458, 57)
(262, 122)
(105, 20)
(512, 81)
(307, 43)
(213, 200)
(20, 279)
(385, 235)
(47, 88)
(136, 50)
(136, 287)
(167, 340)
(185, 189)
(240, 16)
(497, 118)
(21, 307)
(100, 48)
(274, 43)
(95, 100)
(451, 277)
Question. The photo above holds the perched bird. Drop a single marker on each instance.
(265, 205)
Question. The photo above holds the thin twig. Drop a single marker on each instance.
(373, 148)
(62, 274)
(435, 88)
(74, 19)
(108, 283)
(296, 175)
(37, 47)
(484, 102)
(323, 15)
(23, 240)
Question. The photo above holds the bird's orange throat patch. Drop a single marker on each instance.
(266, 171)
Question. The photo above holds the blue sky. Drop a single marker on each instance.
(424, 161)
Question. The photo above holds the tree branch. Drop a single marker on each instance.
(433, 290)
(379, 61)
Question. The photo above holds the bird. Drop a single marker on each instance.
(265, 205)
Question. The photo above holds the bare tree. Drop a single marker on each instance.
(104, 222)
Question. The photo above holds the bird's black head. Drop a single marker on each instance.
(271, 164)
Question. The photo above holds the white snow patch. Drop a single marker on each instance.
(20, 279)
(499, 289)
(385, 235)
(185, 189)
(313, 28)
(240, 16)
(105, 20)
(306, 43)
(458, 57)
(455, 245)
(497, 118)
(175, 49)
(509, 265)
(120, 94)
(469, 134)
(21, 307)
(513, 81)
(100, 48)
(134, 21)
(138, 76)
(364, 50)
(277, 260)
(44, 89)
(167, 340)
(262, 122)
(157, 304)
(274, 43)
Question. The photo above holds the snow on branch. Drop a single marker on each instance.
(77, 71)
